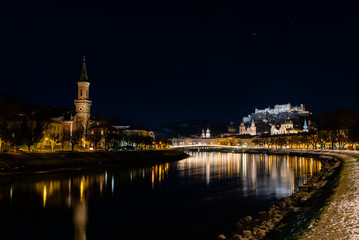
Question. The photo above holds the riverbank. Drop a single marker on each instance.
(35, 162)
(326, 207)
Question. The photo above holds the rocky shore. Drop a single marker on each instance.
(52, 161)
(290, 217)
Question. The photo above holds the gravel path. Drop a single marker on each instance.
(340, 218)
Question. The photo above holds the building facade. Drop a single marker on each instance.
(278, 109)
(82, 103)
(252, 130)
(287, 128)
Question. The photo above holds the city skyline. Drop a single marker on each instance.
(159, 63)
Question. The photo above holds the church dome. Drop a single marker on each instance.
(231, 128)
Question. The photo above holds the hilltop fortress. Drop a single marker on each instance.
(279, 112)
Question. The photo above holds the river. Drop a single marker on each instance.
(195, 198)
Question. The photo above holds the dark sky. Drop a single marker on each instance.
(157, 62)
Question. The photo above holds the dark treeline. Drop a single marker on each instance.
(20, 123)
(338, 129)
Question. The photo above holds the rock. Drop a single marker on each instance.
(262, 214)
(237, 237)
(261, 234)
(247, 233)
(282, 204)
(264, 228)
(239, 225)
(270, 225)
(221, 237)
(248, 219)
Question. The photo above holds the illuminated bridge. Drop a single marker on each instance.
(201, 146)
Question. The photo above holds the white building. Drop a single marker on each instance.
(252, 130)
(279, 108)
(206, 134)
(287, 128)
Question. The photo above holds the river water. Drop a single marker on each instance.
(195, 198)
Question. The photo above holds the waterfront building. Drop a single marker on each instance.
(91, 125)
(252, 130)
(284, 128)
(203, 134)
(206, 134)
(82, 103)
(81, 120)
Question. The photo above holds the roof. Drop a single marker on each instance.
(83, 75)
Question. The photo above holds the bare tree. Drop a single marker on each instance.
(76, 138)
(10, 109)
(34, 124)
(95, 135)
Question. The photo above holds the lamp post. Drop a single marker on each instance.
(52, 143)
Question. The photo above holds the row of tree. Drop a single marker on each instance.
(336, 130)
(22, 124)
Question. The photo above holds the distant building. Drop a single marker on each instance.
(252, 130)
(305, 126)
(277, 110)
(232, 128)
(287, 128)
(206, 134)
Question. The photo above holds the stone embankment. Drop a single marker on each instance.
(327, 207)
(34, 162)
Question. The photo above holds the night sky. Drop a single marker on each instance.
(157, 62)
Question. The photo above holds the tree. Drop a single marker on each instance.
(10, 109)
(54, 139)
(313, 139)
(34, 124)
(95, 136)
(338, 123)
(76, 138)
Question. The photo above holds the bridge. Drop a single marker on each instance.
(201, 146)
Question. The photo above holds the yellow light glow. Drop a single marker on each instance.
(81, 190)
(44, 196)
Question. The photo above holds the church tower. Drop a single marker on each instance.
(253, 129)
(305, 127)
(208, 133)
(242, 129)
(82, 102)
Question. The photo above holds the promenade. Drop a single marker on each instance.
(335, 217)
(340, 218)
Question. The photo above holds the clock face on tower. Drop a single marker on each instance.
(80, 109)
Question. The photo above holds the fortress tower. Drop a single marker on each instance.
(82, 102)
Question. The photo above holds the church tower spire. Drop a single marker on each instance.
(305, 126)
(83, 75)
(82, 102)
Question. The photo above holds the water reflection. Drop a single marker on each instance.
(263, 173)
(75, 190)
(247, 175)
